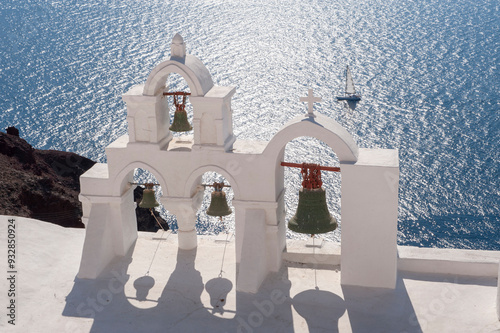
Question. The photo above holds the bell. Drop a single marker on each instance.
(218, 205)
(148, 198)
(312, 216)
(180, 123)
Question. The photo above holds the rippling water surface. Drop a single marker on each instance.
(428, 71)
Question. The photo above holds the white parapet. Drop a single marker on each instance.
(461, 262)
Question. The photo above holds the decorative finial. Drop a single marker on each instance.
(310, 99)
(178, 48)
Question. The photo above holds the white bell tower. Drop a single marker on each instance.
(369, 189)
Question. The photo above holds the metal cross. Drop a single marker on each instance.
(310, 99)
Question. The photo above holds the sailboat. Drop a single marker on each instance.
(350, 91)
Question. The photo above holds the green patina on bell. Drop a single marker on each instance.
(148, 199)
(218, 205)
(312, 216)
(180, 123)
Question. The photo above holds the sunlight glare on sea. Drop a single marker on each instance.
(428, 72)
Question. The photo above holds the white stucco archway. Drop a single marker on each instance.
(194, 180)
(321, 128)
(122, 179)
(198, 78)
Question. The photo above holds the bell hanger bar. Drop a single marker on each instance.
(319, 167)
(145, 184)
(311, 173)
(176, 93)
(217, 186)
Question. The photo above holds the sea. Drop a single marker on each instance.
(428, 72)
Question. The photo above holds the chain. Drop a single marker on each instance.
(179, 106)
(311, 175)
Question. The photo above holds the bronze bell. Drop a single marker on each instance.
(312, 216)
(148, 198)
(180, 123)
(218, 205)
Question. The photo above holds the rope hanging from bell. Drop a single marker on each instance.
(312, 215)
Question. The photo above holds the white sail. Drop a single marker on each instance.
(349, 84)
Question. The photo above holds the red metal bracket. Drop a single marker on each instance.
(177, 94)
(311, 173)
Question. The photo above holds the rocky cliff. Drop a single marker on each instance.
(44, 184)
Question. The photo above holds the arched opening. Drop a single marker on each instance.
(212, 225)
(311, 150)
(148, 272)
(162, 219)
(176, 83)
(193, 70)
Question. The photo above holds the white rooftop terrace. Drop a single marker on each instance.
(187, 289)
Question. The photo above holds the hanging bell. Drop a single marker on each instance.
(218, 205)
(180, 123)
(148, 198)
(312, 216)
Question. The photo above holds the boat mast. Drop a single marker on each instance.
(349, 84)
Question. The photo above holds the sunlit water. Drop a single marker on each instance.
(428, 71)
